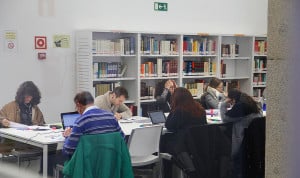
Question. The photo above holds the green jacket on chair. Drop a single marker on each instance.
(100, 156)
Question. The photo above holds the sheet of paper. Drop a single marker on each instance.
(17, 125)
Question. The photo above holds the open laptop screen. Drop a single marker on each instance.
(68, 119)
(157, 117)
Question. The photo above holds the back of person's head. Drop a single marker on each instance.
(234, 94)
(244, 98)
(214, 82)
(182, 99)
(28, 88)
(84, 98)
(120, 91)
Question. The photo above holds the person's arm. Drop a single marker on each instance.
(124, 111)
(172, 121)
(232, 115)
(211, 102)
(72, 140)
(163, 97)
(38, 118)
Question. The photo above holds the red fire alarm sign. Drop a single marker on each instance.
(40, 42)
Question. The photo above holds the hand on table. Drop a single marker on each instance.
(67, 132)
(118, 116)
(5, 122)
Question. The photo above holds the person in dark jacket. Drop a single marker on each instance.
(163, 91)
(244, 110)
(185, 113)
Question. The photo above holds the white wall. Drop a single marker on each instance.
(55, 76)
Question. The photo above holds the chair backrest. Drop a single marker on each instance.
(254, 144)
(100, 155)
(144, 141)
(210, 147)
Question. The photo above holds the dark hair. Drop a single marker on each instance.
(119, 91)
(241, 97)
(182, 99)
(159, 88)
(84, 98)
(214, 82)
(30, 89)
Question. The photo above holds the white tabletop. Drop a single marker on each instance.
(41, 137)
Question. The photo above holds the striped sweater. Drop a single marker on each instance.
(94, 121)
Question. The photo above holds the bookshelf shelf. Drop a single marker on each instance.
(198, 55)
(235, 78)
(114, 79)
(148, 58)
(112, 55)
(262, 72)
(236, 58)
(159, 78)
(147, 101)
(153, 55)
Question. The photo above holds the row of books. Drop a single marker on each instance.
(201, 46)
(152, 46)
(258, 92)
(122, 46)
(199, 68)
(196, 88)
(260, 47)
(228, 85)
(159, 68)
(107, 69)
(259, 64)
(223, 69)
(259, 79)
(102, 88)
(147, 92)
(230, 50)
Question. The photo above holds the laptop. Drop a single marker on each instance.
(68, 119)
(157, 117)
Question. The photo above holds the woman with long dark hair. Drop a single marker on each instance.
(185, 113)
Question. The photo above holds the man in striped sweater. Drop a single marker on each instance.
(92, 121)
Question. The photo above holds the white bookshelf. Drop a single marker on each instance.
(239, 66)
(259, 66)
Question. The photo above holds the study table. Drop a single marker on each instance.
(39, 138)
(44, 138)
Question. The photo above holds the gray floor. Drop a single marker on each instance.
(9, 168)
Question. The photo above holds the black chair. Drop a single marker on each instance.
(208, 153)
(254, 144)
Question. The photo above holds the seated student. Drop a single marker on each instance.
(92, 121)
(113, 101)
(243, 111)
(185, 112)
(163, 91)
(24, 109)
(213, 95)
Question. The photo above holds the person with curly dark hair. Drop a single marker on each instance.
(24, 108)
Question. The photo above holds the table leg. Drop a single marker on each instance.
(45, 161)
